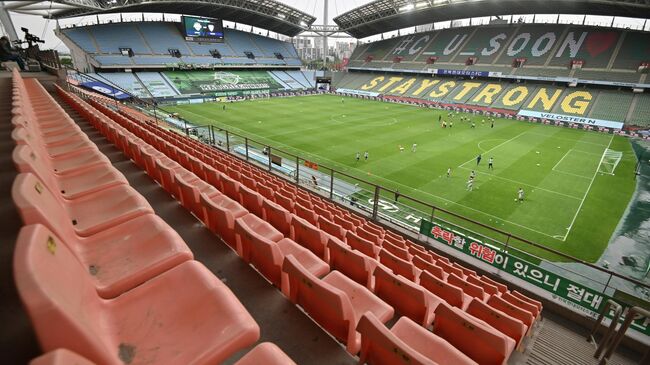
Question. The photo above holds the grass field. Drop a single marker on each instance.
(573, 199)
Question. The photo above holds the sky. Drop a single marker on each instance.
(44, 28)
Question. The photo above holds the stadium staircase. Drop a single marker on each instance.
(202, 191)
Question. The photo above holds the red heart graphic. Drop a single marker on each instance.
(599, 42)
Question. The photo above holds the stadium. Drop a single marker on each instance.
(325, 182)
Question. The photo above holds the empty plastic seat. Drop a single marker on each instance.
(305, 213)
(323, 213)
(476, 339)
(335, 302)
(285, 201)
(450, 269)
(151, 323)
(370, 236)
(408, 298)
(70, 185)
(488, 288)
(189, 193)
(331, 228)
(266, 192)
(351, 263)
(346, 224)
(429, 267)
(362, 245)
(309, 236)
(279, 217)
(230, 187)
(468, 288)
(89, 214)
(466, 272)
(406, 343)
(508, 325)
(400, 252)
(265, 353)
(249, 227)
(524, 298)
(399, 266)
(502, 288)
(523, 304)
(452, 294)
(221, 213)
(500, 304)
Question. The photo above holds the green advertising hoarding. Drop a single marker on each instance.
(221, 82)
(569, 292)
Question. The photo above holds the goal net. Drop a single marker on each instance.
(609, 162)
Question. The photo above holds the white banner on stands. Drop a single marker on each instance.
(571, 119)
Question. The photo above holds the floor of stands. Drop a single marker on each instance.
(556, 340)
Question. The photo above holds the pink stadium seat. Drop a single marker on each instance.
(466, 272)
(265, 353)
(151, 323)
(398, 251)
(266, 191)
(118, 204)
(502, 288)
(279, 217)
(61, 357)
(450, 269)
(370, 236)
(473, 337)
(190, 192)
(305, 213)
(71, 185)
(285, 201)
(346, 224)
(406, 343)
(331, 228)
(323, 213)
(249, 227)
(488, 288)
(164, 173)
(212, 176)
(524, 298)
(362, 245)
(251, 200)
(309, 236)
(500, 304)
(267, 256)
(468, 288)
(335, 302)
(230, 187)
(437, 257)
(523, 304)
(304, 200)
(510, 326)
(374, 229)
(424, 255)
(399, 266)
(221, 213)
(408, 298)
(452, 294)
(351, 263)
(429, 267)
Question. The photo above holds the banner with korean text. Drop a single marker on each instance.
(576, 295)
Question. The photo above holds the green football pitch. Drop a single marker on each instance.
(577, 183)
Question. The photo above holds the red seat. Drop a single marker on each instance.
(351, 263)
(429, 267)
(406, 343)
(500, 304)
(502, 288)
(336, 303)
(362, 245)
(61, 357)
(399, 266)
(266, 192)
(70, 185)
(89, 214)
(323, 213)
(285, 201)
(487, 288)
(510, 326)
(251, 200)
(346, 224)
(189, 193)
(468, 288)
(523, 304)
(279, 217)
(370, 236)
(249, 227)
(398, 251)
(408, 298)
(221, 213)
(473, 337)
(265, 353)
(309, 236)
(306, 214)
(230, 187)
(452, 294)
(466, 272)
(524, 298)
(450, 269)
(151, 323)
(331, 228)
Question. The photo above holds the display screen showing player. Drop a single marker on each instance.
(199, 29)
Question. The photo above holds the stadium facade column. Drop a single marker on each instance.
(325, 47)
(7, 23)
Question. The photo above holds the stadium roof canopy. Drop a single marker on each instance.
(386, 15)
(268, 14)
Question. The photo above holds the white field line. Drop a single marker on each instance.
(570, 173)
(524, 184)
(567, 139)
(568, 230)
(346, 168)
(495, 147)
(565, 155)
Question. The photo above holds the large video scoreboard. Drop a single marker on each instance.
(200, 29)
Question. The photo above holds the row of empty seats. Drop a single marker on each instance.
(334, 264)
(99, 273)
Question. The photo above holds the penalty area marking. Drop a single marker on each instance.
(485, 140)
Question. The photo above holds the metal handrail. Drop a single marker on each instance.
(633, 313)
(610, 330)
